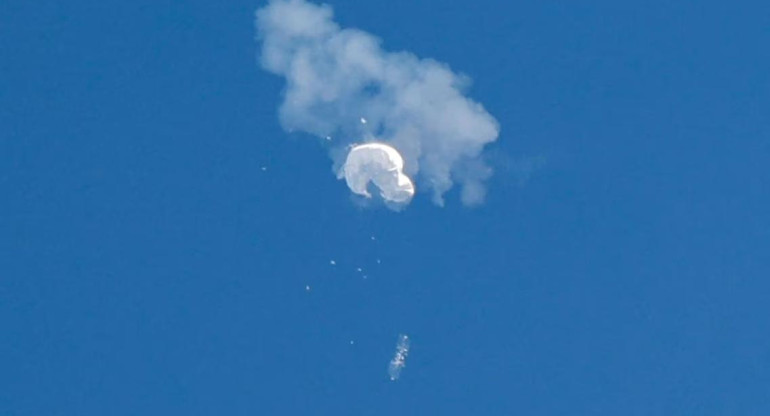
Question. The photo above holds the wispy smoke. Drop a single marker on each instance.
(336, 78)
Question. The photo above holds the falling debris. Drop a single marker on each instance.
(332, 262)
(399, 359)
(358, 269)
(363, 120)
(328, 138)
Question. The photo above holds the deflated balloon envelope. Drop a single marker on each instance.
(381, 165)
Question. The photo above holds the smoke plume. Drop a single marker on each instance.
(341, 84)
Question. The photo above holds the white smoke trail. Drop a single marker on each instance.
(399, 359)
(337, 78)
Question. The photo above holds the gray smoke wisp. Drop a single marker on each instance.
(336, 78)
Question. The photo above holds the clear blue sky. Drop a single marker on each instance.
(149, 266)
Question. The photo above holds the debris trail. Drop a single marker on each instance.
(399, 359)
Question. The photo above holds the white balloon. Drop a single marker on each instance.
(382, 165)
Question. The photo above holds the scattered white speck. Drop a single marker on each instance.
(373, 238)
(264, 168)
(329, 138)
(307, 288)
(364, 276)
(351, 342)
(378, 261)
(358, 269)
(332, 262)
(363, 120)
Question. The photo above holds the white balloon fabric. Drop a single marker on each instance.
(381, 165)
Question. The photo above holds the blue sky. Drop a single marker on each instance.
(619, 265)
